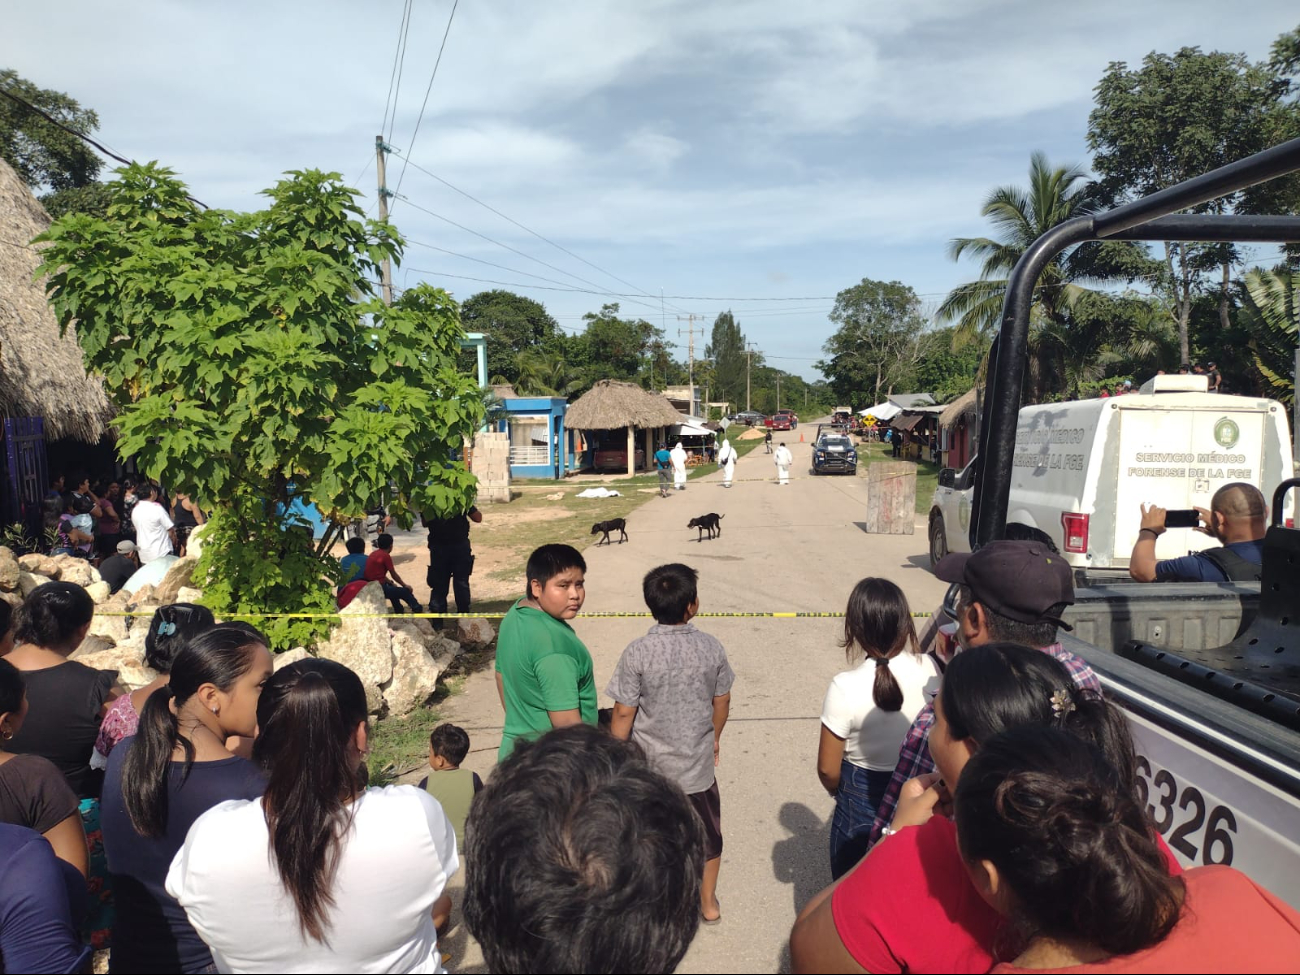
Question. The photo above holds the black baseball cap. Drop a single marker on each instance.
(1022, 581)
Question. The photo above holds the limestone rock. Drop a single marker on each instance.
(444, 649)
(72, 569)
(14, 599)
(290, 657)
(27, 581)
(94, 644)
(114, 628)
(40, 565)
(188, 594)
(194, 545)
(99, 591)
(178, 577)
(415, 672)
(9, 569)
(477, 634)
(127, 659)
(361, 641)
(145, 594)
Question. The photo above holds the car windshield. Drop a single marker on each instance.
(836, 441)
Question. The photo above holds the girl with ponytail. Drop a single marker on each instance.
(159, 781)
(1056, 843)
(321, 873)
(867, 712)
(910, 904)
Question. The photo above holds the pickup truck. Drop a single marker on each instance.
(1207, 674)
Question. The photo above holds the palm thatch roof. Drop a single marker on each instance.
(612, 405)
(968, 402)
(41, 373)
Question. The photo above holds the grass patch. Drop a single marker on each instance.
(927, 474)
(400, 745)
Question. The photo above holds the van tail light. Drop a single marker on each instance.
(1076, 531)
(1290, 523)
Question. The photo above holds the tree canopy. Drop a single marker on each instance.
(253, 368)
(512, 324)
(878, 341)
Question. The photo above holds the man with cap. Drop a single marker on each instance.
(117, 569)
(1216, 378)
(1007, 592)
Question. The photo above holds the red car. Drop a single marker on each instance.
(781, 421)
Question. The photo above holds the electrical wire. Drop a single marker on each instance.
(479, 260)
(399, 62)
(529, 230)
(411, 145)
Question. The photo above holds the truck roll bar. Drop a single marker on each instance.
(1152, 218)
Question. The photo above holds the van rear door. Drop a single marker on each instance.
(1178, 458)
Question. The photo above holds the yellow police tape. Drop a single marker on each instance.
(497, 616)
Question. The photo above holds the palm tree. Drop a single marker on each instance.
(1020, 216)
(1270, 308)
(546, 374)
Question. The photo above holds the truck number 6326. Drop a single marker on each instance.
(1167, 800)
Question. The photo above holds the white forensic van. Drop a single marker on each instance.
(1083, 468)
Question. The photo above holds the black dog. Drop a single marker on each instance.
(707, 523)
(617, 525)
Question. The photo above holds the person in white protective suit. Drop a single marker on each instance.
(783, 459)
(678, 454)
(727, 458)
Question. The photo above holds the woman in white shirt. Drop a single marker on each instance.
(352, 874)
(868, 711)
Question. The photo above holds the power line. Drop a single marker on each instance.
(479, 260)
(82, 136)
(515, 250)
(399, 62)
(526, 229)
(434, 74)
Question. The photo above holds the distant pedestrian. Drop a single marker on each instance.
(679, 466)
(664, 465)
(767, 441)
(727, 458)
(783, 460)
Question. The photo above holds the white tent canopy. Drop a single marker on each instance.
(881, 411)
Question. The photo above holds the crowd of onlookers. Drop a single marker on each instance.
(117, 525)
(218, 819)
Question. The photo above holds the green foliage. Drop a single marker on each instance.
(253, 368)
(512, 324)
(878, 343)
(1270, 305)
(946, 371)
(93, 199)
(616, 347)
(726, 349)
(43, 155)
(542, 373)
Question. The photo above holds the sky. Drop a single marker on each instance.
(751, 155)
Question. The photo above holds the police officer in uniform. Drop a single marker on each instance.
(451, 560)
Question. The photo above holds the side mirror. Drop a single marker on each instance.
(947, 477)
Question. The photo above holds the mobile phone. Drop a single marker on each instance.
(1182, 518)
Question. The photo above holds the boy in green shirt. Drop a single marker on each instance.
(543, 671)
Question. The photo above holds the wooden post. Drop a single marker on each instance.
(649, 446)
(891, 498)
(631, 451)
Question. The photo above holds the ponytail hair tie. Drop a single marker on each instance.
(166, 629)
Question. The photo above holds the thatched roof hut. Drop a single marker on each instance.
(613, 405)
(41, 373)
(968, 402)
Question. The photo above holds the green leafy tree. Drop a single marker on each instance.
(878, 343)
(1270, 305)
(616, 347)
(546, 374)
(512, 324)
(253, 368)
(54, 163)
(726, 350)
(946, 371)
(1177, 116)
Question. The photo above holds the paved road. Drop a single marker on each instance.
(798, 547)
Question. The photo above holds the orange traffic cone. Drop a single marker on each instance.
(801, 438)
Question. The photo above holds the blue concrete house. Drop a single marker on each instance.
(539, 442)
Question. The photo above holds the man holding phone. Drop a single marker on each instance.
(1237, 517)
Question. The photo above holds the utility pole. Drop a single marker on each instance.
(380, 167)
(778, 392)
(690, 347)
(749, 359)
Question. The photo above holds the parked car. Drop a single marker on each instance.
(794, 418)
(834, 452)
(614, 459)
(748, 417)
(779, 421)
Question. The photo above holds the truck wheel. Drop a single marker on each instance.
(938, 539)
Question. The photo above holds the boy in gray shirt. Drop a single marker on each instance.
(672, 694)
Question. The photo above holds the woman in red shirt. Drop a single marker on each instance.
(1055, 841)
(909, 905)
